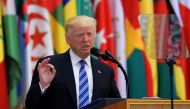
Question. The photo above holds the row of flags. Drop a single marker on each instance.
(31, 29)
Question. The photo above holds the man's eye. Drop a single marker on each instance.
(89, 34)
(79, 35)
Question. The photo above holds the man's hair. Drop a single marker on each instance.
(79, 21)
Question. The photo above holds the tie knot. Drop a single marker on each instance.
(82, 62)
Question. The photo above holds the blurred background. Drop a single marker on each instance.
(31, 29)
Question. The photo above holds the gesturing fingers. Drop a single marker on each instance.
(46, 72)
(45, 66)
(45, 61)
(51, 67)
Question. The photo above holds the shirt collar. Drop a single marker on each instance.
(75, 59)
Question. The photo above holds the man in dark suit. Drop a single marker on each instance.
(73, 79)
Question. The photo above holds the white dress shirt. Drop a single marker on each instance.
(88, 68)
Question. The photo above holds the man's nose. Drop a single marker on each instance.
(85, 37)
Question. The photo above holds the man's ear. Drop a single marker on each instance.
(67, 39)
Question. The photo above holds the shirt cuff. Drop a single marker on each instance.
(43, 89)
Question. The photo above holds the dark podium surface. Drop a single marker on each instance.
(102, 102)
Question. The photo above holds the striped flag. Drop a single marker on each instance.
(3, 80)
(185, 14)
(22, 16)
(57, 27)
(146, 7)
(119, 33)
(62, 11)
(134, 50)
(69, 9)
(13, 57)
(182, 11)
(161, 7)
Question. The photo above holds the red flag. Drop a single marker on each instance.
(3, 87)
(3, 80)
(105, 37)
(160, 7)
(184, 6)
(182, 10)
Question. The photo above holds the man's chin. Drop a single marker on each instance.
(86, 52)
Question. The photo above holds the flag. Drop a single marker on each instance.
(39, 29)
(22, 16)
(146, 7)
(3, 80)
(185, 14)
(134, 50)
(182, 11)
(178, 68)
(161, 7)
(13, 57)
(84, 7)
(119, 33)
(57, 27)
(104, 38)
(69, 9)
(62, 11)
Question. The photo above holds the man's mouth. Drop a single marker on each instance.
(85, 46)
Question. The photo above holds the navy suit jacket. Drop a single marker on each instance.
(62, 91)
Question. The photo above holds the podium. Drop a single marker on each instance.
(115, 103)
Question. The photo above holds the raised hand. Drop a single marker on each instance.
(46, 72)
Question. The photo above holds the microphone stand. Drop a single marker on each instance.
(112, 59)
(170, 62)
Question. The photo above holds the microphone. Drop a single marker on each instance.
(107, 56)
(98, 53)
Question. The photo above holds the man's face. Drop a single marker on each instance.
(81, 40)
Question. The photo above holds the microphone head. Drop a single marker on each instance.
(95, 51)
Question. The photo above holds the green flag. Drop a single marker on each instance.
(84, 7)
(163, 69)
(13, 59)
(164, 82)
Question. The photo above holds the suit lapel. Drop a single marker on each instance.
(95, 78)
(68, 74)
